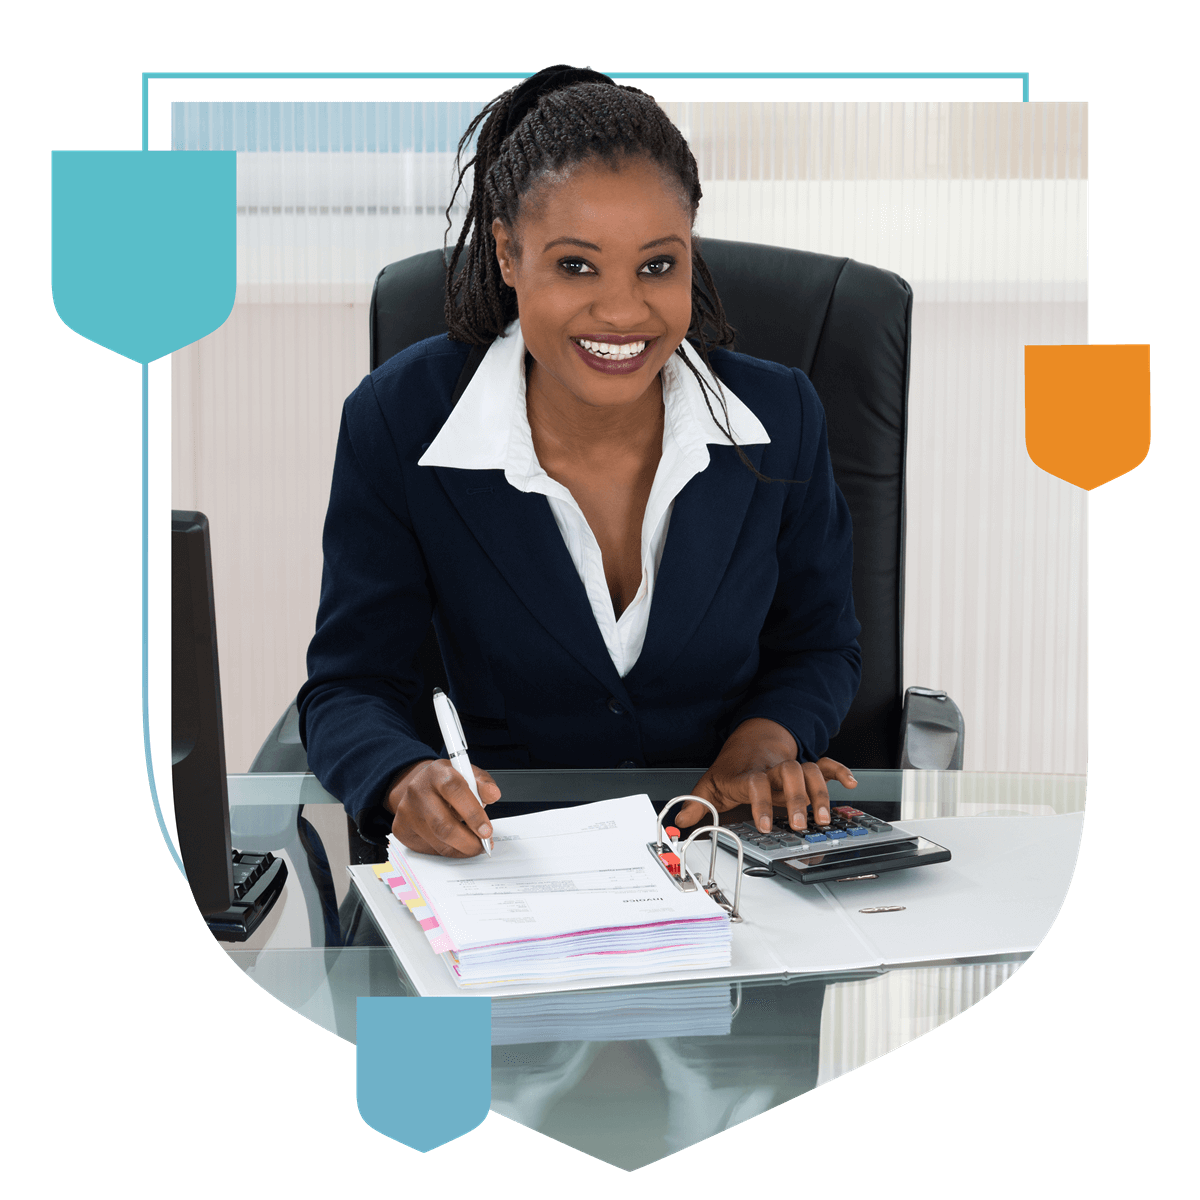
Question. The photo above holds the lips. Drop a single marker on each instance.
(614, 355)
(613, 350)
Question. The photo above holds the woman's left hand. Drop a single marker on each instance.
(757, 766)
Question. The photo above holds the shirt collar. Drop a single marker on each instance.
(488, 428)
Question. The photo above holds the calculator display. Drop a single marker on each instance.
(868, 863)
(849, 857)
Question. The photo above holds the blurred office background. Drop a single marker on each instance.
(981, 207)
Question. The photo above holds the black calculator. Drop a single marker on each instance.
(854, 845)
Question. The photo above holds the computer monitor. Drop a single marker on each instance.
(234, 891)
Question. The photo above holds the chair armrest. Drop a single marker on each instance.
(931, 731)
(282, 751)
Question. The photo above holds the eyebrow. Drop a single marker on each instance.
(570, 241)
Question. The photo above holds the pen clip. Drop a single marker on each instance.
(453, 712)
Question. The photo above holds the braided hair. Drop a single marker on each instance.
(552, 121)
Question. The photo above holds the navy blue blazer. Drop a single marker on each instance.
(752, 613)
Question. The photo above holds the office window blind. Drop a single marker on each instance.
(981, 207)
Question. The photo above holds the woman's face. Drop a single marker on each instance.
(602, 267)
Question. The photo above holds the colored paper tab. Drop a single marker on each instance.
(1087, 410)
(439, 1048)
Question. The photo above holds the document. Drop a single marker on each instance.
(567, 893)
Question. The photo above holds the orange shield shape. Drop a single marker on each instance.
(1087, 410)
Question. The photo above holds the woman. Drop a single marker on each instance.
(633, 551)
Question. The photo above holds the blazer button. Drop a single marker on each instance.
(627, 764)
(615, 706)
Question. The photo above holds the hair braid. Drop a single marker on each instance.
(533, 131)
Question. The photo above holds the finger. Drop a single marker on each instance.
(440, 826)
(691, 812)
(788, 777)
(832, 769)
(758, 794)
(489, 789)
(818, 793)
(456, 792)
(455, 819)
(449, 837)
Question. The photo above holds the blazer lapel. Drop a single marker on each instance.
(518, 533)
(705, 524)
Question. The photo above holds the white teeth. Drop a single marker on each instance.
(609, 350)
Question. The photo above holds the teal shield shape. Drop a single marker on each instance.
(143, 246)
(424, 1066)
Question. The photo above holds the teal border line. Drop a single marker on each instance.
(1023, 76)
(146, 610)
(615, 75)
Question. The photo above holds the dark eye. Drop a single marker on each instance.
(658, 266)
(576, 266)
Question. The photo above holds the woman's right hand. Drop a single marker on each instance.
(434, 811)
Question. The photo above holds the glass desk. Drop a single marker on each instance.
(631, 1077)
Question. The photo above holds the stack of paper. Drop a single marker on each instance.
(567, 894)
(620, 1014)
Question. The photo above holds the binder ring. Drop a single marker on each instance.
(712, 867)
(675, 800)
(714, 831)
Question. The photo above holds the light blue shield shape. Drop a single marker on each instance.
(143, 246)
(424, 1066)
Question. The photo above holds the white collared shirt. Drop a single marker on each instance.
(488, 429)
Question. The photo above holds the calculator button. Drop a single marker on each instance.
(816, 837)
(855, 832)
(835, 835)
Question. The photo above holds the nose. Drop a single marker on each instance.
(621, 302)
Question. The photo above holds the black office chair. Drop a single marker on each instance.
(848, 326)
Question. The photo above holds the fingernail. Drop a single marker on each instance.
(764, 826)
(796, 821)
(485, 831)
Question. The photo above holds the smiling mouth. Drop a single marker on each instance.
(613, 351)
